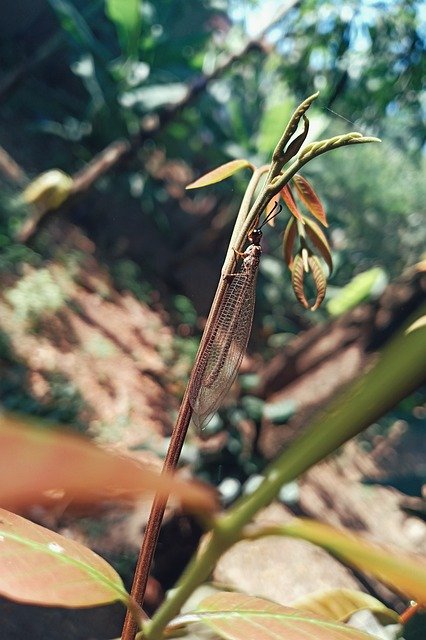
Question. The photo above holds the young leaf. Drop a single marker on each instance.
(287, 196)
(235, 616)
(220, 173)
(310, 198)
(403, 572)
(37, 461)
(289, 237)
(320, 242)
(341, 604)
(319, 279)
(39, 566)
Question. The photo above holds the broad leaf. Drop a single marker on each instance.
(36, 463)
(39, 566)
(310, 198)
(235, 616)
(220, 173)
(341, 604)
(403, 572)
(288, 198)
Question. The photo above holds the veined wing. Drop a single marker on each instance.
(222, 355)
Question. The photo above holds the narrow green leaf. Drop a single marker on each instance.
(220, 173)
(127, 18)
(73, 22)
(39, 566)
(403, 572)
(235, 616)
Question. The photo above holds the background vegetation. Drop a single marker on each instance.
(172, 89)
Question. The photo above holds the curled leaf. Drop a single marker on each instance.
(319, 279)
(320, 242)
(297, 277)
(288, 198)
(298, 280)
(310, 198)
(290, 234)
(295, 145)
(220, 173)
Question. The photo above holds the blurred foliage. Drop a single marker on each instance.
(95, 71)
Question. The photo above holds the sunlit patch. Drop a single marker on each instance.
(53, 546)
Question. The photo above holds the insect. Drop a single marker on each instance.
(221, 355)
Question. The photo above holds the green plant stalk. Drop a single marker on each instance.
(398, 372)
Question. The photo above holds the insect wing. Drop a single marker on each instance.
(223, 354)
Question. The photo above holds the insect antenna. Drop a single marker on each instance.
(272, 214)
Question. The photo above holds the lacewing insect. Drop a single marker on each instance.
(221, 355)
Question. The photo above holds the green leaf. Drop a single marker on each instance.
(341, 604)
(235, 616)
(220, 173)
(403, 572)
(74, 23)
(39, 566)
(365, 285)
(127, 18)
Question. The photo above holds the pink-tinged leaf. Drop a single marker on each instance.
(36, 463)
(319, 279)
(320, 242)
(287, 196)
(341, 604)
(220, 173)
(39, 566)
(310, 198)
(297, 280)
(404, 572)
(235, 616)
(289, 238)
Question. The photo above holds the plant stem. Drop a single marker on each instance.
(376, 392)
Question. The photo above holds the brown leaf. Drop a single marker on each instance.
(297, 280)
(36, 461)
(310, 198)
(287, 196)
(320, 242)
(319, 279)
(289, 237)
